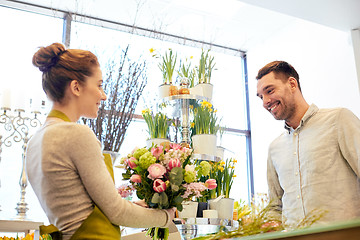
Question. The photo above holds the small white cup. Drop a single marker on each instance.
(210, 213)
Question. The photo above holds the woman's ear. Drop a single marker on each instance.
(75, 87)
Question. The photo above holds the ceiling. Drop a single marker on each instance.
(232, 23)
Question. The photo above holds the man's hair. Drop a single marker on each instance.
(281, 69)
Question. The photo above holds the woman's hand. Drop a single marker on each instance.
(171, 212)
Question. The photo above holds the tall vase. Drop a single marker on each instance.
(204, 144)
(155, 141)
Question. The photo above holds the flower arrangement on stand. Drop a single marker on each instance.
(204, 128)
(164, 177)
(224, 173)
(158, 126)
(167, 67)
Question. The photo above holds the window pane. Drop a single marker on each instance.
(21, 35)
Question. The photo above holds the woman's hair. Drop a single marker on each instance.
(280, 69)
(61, 66)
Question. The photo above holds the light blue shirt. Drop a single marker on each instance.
(317, 167)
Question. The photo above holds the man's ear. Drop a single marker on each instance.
(75, 87)
(293, 83)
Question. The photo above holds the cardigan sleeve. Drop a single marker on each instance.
(86, 154)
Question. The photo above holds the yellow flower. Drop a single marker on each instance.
(145, 111)
(215, 110)
(222, 163)
(234, 176)
(221, 169)
(151, 50)
(191, 57)
(235, 161)
(192, 124)
(191, 107)
(232, 167)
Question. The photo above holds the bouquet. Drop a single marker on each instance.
(164, 177)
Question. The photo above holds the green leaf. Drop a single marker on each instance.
(155, 198)
(176, 176)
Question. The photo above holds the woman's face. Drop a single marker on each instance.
(92, 94)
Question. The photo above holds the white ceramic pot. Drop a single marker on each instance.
(204, 144)
(189, 209)
(204, 90)
(164, 90)
(155, 141)
(224, 207)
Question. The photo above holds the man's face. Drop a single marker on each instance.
(278, 99)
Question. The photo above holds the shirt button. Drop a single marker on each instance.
(298, 197)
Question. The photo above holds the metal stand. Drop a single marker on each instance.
(18, 128)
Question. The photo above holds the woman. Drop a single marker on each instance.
(65, 165)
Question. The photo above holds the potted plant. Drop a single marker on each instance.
(204, 129)
(158, 127)
(224, 174)
(204, 71)
(167, 67)
(124, 83)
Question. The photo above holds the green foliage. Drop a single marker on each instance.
(205, 68)
(205, 119)
(158, 124)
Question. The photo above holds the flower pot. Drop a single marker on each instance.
(189, 210)
(224, 207)
(203, 89)
(155, 141)
(201, 207)
(204, 144)
(164, 90)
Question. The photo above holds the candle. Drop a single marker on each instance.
(20, 101)
(210, 213)
(6, 98)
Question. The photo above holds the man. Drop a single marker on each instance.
(315, 164)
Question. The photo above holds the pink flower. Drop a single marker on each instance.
(135, 178)
(156, 170)
(156, 152)
(159, 186)
(125, 190)
(131, 162)
(211, 184)
(174, 163)
(176, 146)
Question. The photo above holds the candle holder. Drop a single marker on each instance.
(17, 126)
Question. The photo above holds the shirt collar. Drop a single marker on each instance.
(309, 113)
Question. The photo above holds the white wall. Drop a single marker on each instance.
(325, 62)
